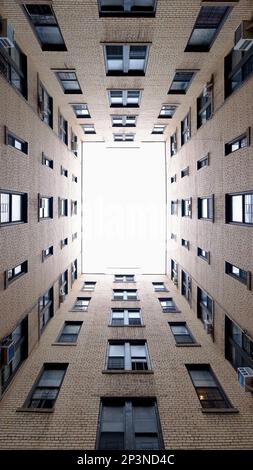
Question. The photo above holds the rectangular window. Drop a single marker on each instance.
(69, 82)
(127, 8)
(203, 254)
(181, 82)
(238, 273)
(168, 305)
(181, 333)
(74, 179)
(127, 424)
(13, 66)
(81, 304)
(186, 129)
(74, 236)
(63, 207)
(89, 286)
(13, 207)
(174, 272)
(64, 242)
(70, 332)
(204, 306)
(238, 345)
(45, 26)
(173, 144)
(47, 253)
(205, 105)
(74, 273)
(74, 143)
(206, 208)
(238, 143)
(63, 286)
(46, 308)
(47, 386)
(186, 207)
(185, 172)
(209, 391)
(88, 128)
(159, 287)
(14, 273)
(173, 236)
(47, 161)
(239, 208)
(174, 207)
(238, 66)
(73, 207)
(185, 243)
(81, 110)
(123, 121)
(45, 105)
(123, 137)
(158, 129)
(186, 287)
(167, 111)
(126, 294)
(16, 142)
(45, 207)
(124, 98)
(203, 162)
(208, 23)
(125, 59)
(173, 179)
(124, 278)
(64, 172)
(124, 355)
(14, 350)
(126, 317)
(63, 129)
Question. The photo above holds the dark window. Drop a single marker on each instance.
(238, 345)
(167, 111)
(126, 317)
(181, 333)
(174, 272)
(185, 172)
(127, 7)
(123, 121)
(13, 207)
(173, 236)
(186, 288)
(45, 207)
(64, 172)
(186, 129)
(14, 350)
(185, 243)
(208, 389)
(238, 67)
(74, 144)
(64, 242)
(206, 28)
(89, 286)
(73, 207)
(81, 304)
(74, 179)
(47, 161)
(63, 129)
(47, 386)
(173, 179)
(63, 207)
(205, 105)
(124, 355)
(159, 287)
(127, 424)
(158, 129)
(16, 142)
(88, 128)
(81, 110)
(203, 162)
(238, 143)
(186, 207)
(238, 273)
(46, 308)
(45, 104)
(206, 208)
(123, 137)
(173, 144)
(13, 66)
(45, 26)
(181, 82)
(74, 273)
(174, 207)
(47, 252)
(124, 98)
(126, 59)
(63, 286)
(168, 305)
(204, 306)
(70, 332)
(203, 254)
(239, 208)
(14, 273)
(125, 294)
(69, 82)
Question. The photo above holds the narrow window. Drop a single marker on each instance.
(204, 307)
(63, 286)
(16, 142)
(174, 272)
(205, 105)
(181, 333)
(238, 345)
(73, 207)
(185, 172)
(186, 129)
(186, 286)
(138, 8)
(238, 66)
(64, 242)
(123, 121)
(14, 273)
(89, 286)
(69, 82)
(158, 129)
(209, 391)
(237, 273)
(238, 143)
(46, 308)
(124, 278)
(64, 172)
(186, 207)
(204, 254)
(185, 243)
(47, 252)
(203, 162)
(206, 208)
(47, 161)
(74, 236)
(45, 105)
(123, 137)
(63, 129)
(173, 179)
(174, 207)
(13, 66)
(74, 273)
(63, 207)
(159, 287)
(88, 128)
(70, 332)
(173, 144)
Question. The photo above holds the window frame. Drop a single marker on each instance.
(125, 295)
(205, 160)
(124, 119)
(237, 350)
(187, 83)
(76, 308)
(61, 81)
(46, 256)
(23, 208)
(85, 106)
(173, 107)
(229, 208)
(127, 13)
(128, 358)
(47, 100)
(69, 323)
(186, 286)
(168, 309)
(125, 103)
(23, 270)
(126, 71)
(192, 341)
(62, 129)
(91, 286)
(203, 311)
(210, 211)
(126, 318)
(244, 276)
(200, 255)
(41, 311)
(205, 104)
(239, 68)
(10, 135)
(185, 243)
(124, 278)
(228, 145)
(186, 128)
(186, 207)
(46, 159)
(8, 66)
(173, 144)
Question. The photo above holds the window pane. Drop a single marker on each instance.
(49, 34)
(4, 207)
(112, 419)
(204, 208)
(144, 419)
(138, 351)
(51, 378)
(16, 208)
(237, 212)
(248, 203)
(202, 378)
(116, 350)
(179, 330)
(202, 36)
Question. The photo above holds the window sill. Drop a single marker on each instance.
(188, 345)
(172, 311)
(64, 344)
(35, 410)
(125, 300)
(148, 372)
(127, 326)
(220, 410)
(8, 224)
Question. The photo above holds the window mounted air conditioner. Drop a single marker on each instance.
(208, 325)
(7, 351)
(243, 39)
(6, 34)
(245, 378)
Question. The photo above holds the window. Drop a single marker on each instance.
(74, 236)
(88, 128)
(126, 317)
(239, 208)
(81, 110)
(186, 288)
(74, 273)
(186, 129)
(126, 294)
(89, 286)
(238, 66)
(167, 111)
(124, 98)
(13, 273)
(173, 144)
(45, 105)
(185, 172)
(47, 161)
(206, 208)
(174, 207)
(173, 179)
(185, 243)
(127, 7)
(74, 179)
(16, 142)
(158, 129)
(124, 278)
(47, 253)
(173, 236)
(123, 137)
(73, 207)
(186, 207)
(168, 305)
(238, 143)
(81, 304)
(63, 207)
(127, 424)
(203, 254)
(238, 345)
(13, 207)
(181, 82)
(204, 306)
(159, 287)
(238, 273)
(125, 59)
(64, 172)
(63, 286)
(14, 350)
(64, 242)
(203, 162)
(46, 308)
(47, 387)
(174, 272)
(208, 389)
(69, 82)
(205, 105)
(13, 66)
(124, 355)
(123, 121)
(181, 333)
(63, 129)
(74, 144)
(70, 332)
(45, 27)
(206, 28)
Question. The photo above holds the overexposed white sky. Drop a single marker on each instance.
(124, 208)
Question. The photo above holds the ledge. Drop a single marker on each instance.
(64, 344)
(188, 345)
(220, 410)
(148, 372)
(35, 410)
(127, 326)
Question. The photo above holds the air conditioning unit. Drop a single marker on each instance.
(6, 34)
(208, 325)
(245, 378)
(243, 39)
(7, 351)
